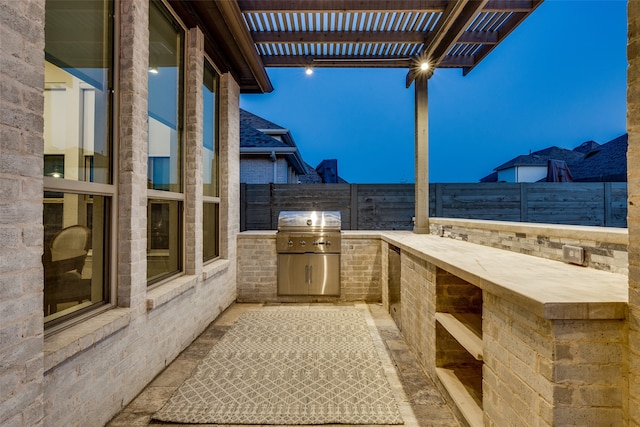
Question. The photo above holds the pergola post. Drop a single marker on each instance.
(421, 224)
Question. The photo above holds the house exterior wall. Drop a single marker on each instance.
(633, 176)
(84, 374)
(21, 230)
(260, 170)
(522, 174)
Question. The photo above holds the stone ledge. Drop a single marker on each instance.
(215, 267)
(550, 289)
(577, 232)
(170, 290)
(69, 342)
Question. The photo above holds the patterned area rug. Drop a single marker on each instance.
(288, 366)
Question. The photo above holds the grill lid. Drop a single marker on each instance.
(309, 220)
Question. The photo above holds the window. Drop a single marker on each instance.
(210, 166)
(78, 192)
(165, 162)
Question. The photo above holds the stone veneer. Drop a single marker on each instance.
(84, 374)
(258, 269)
(21, 231)
(604, 248)
(633, 177)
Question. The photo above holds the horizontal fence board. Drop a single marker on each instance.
(392, 206)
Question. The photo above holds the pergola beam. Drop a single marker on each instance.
(342, 5)
(351, 37)
(510, 5)
(506, 29)
(447, 32)
(339, 61)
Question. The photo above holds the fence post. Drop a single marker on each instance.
(607, 203)
(524, 202)
(354, 207)
(438, 191)
(243, 206)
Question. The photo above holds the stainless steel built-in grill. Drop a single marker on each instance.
(308, 245)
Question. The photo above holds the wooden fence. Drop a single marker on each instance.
(391, 206)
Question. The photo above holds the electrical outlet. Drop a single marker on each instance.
(573, 254)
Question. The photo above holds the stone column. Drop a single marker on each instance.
(132, 156)
(633, 176)
(193, 149)
(229, 166)
(421, 225)
(21, 231)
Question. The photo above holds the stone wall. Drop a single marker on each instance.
(534, 371)
(21, 231)
(551, 372)
(604, 248)
(85, 373)
(360, 262)
(633, 176)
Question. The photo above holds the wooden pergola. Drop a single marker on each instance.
(361, 34)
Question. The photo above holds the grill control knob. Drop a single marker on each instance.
(302, 243)
(290, 243)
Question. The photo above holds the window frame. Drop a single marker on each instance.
(89, 188)
(180, 197)
(213, 200)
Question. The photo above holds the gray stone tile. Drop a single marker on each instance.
(130, 419)
(150, 400)
(175, 373)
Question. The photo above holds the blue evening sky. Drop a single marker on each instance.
(558, 79)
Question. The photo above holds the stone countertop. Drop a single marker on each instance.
(550, 289)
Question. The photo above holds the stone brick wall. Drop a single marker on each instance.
(193, 149)
(95, 367)
(604, 248)
(518, 366)
(551, 372)
(360, 262)
(418, 308)
(21, 231)
(258, 269)
(259, 170)
(633, 176)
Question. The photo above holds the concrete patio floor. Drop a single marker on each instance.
(419, 401)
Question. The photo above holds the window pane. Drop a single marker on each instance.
(210, 132)
(164, 249)
(78, 46)
(210, 231)
(76, 248)
(165, 100)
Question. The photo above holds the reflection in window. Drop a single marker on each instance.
(164, 254)
(210, 132)
(210, 165)
(210, 237)
(164, 216)
(75, 226)
(165, 95)
(77, 147)
(78, 88)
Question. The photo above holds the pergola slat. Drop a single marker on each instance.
(380, 33)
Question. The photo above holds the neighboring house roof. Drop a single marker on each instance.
(257, 121)
(608, 162)
(313, 177)
(589, 161)
(256, 138)
(541, 157)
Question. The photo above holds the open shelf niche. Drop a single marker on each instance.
(459, 343)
